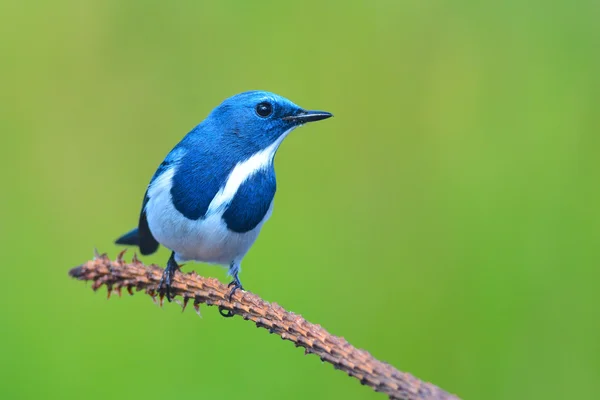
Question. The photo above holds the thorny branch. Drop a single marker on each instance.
(359, 364)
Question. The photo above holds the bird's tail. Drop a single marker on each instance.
(131, 238)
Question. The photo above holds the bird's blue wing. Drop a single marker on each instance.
(251, 203)
(199, 176)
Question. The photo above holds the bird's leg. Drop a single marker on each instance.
(167, 276)
(235, 284)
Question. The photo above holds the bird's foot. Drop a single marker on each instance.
(167, 277)
(234, 285)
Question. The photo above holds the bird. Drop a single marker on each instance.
(210, 197)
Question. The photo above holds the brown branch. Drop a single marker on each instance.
(380, 376)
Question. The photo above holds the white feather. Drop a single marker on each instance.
(241, 172)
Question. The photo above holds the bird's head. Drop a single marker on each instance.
(259, 119)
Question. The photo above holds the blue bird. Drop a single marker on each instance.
(210, 197)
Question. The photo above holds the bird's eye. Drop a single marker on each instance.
(264, 109)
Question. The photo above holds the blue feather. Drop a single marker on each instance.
(251, 202)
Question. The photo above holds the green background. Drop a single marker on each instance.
(447, 219)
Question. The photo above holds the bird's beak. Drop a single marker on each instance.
(308, 116)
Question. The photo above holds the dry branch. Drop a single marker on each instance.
(381, 376)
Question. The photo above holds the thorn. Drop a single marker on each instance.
(197, 308)
(108, 291)
(118, 290)
(96, 254)
(185, 303)
(161, 296)
(120, 256)
(135, 259)
(130, 290)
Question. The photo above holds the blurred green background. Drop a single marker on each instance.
(447, 219)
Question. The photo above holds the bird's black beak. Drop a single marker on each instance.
(308, 116)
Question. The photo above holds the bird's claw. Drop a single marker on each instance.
(236, 285)
(167, 277)
(225, 312)
(165, 281)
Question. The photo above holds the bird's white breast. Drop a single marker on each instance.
(207, 239)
